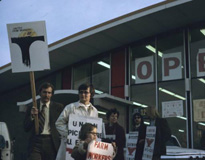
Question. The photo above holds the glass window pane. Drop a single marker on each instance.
(171, 91)
(142, 53)
(197, 51)
(170, 57)
(100, 75)
(143, 88)
(144, 95)
(81, 74)
(197, 58)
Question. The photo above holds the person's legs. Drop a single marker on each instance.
(48, 149)
(36, 151)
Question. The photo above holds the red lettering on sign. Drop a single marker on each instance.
(97, 156)
(101, 145)
(168, 67)
(149, 70)
(201, 62)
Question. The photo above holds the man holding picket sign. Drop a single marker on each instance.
(29, 53)
(45, 144)
(83, 108)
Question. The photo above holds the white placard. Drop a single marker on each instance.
(74, 124)
(199, 110)
(171, 66)
(111, 137)
(100, 151)
(131, 142)
(172, 109)
(149, 143)
(144, 70)
(28, 46)
(200, 62)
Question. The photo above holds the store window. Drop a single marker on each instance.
(143, 88)
(171, 83)
(81, 74)
(197, 60)
(100, 75)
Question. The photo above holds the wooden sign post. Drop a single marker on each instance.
(33, 91)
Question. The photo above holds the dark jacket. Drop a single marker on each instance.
(117, 130)
(141, 141)
(54, 112)
(163, 134)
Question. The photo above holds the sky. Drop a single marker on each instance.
(63, 17)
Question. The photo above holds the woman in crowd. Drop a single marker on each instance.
(114, 129)
(163, 132)
(88, 132)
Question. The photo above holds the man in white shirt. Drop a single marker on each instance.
(82, 107)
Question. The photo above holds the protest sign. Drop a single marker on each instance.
(100, 151)
(149, 143)
(28, 46)
(131, 142)
(74, 125)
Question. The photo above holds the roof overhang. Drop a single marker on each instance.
(118, 32)
(69, 96)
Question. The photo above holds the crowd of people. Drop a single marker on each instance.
(49, 143)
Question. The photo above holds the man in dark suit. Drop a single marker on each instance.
(45, 144)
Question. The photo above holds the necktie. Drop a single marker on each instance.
(41, 119)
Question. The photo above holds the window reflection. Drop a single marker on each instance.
(81, 74)
(100, 75)
(171, 84)
(198, 83)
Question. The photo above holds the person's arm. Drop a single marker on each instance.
(120, 137)
(29, 118)
(62, 121)
(80, 150)
(114, 149)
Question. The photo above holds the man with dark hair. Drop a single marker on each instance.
(45, 144)
(82, 107)
(117, 132)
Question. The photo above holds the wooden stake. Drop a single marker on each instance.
(33, 90)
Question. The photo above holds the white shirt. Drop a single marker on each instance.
(47, 128)
(74, 108)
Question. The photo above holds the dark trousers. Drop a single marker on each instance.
(43, 149)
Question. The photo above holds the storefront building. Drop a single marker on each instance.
(154, 57)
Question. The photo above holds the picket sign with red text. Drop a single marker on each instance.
(131, 142)
(149, 143)
(100, 151)
(74, 125)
